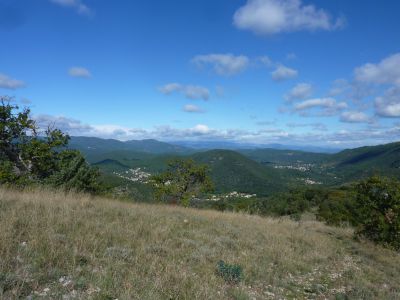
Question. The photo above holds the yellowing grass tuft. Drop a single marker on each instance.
(72, 246)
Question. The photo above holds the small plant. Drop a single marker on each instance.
(230, 273)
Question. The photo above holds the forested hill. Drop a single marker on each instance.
(259, 171)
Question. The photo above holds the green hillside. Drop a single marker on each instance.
(232, 171)
(361, 162)
(274, 156)
(71, 246)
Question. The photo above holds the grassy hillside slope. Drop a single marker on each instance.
(58, 246)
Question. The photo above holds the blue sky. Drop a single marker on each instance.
(288, 71)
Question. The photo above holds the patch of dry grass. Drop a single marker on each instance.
(71, 246)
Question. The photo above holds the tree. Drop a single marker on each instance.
(182, 180)
(378, 210)
(28, 155)
(75, 173)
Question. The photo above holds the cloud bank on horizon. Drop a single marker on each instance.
(286, 71)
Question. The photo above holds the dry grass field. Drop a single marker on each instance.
(58, 246)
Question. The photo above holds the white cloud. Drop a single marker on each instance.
(388, 105)
(78, 5)
(354, 117)
(79, 72)
(319, 102)
(223, 64)
(191, 108)
(300, 91)
(283, 73)
(189, 91)
(65, 124)
(170, 88)
(385, 72)
(200, 129)
(6, 82)
(319, 107)
(270, 17)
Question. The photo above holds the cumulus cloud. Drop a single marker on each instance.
(78, 5)
(385, 72)
(354, 117)
(318, 102)
(388, 105)
(6, 82)
(189, 91)
(270, 17)
(191, 108)
(283, 73)
(79, 72)
(300, 91)
(65, 124)
(326, 107)
(223, 64)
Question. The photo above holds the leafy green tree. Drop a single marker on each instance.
(75, 173)
(182, 180)
(30, 156)
(378, 210)
(16, 130)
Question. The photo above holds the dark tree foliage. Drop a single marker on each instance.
(337, 207)
(28, 156)
(378, 210)
(182, 180)
(292, 203)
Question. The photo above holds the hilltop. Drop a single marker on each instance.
(56, 245)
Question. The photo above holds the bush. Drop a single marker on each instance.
(230, 273)
(378, 210)
(338, 207)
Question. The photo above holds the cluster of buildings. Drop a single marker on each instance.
(135, 175)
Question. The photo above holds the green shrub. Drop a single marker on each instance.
(230, 273)
(378, 210)
(338, 207)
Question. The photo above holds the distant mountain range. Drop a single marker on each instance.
(98, 145)
(251, 170)
(209, 145)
